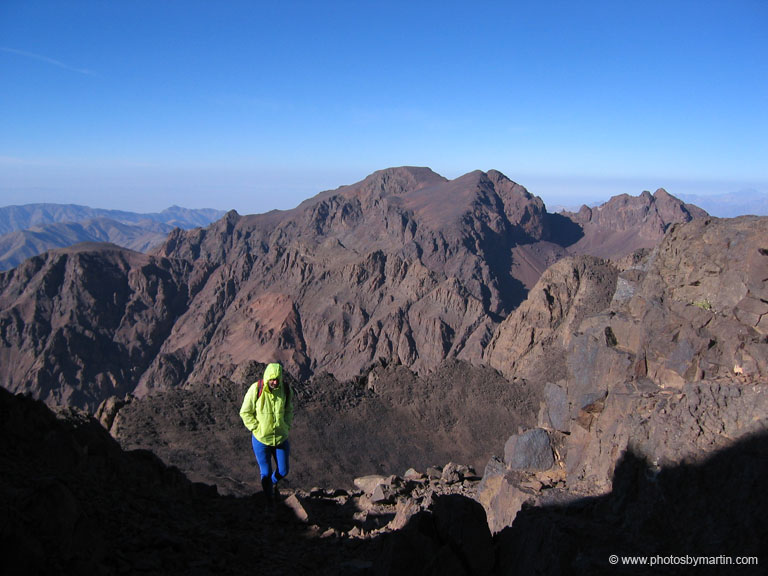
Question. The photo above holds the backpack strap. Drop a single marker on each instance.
(261, 389)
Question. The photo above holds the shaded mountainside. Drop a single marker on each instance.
(384, 423)
(693, 517)
(73, 502)
(403, 267)
(28, 230)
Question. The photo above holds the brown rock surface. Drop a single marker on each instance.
(530, 342)
(78, 325)
(682, 372)
(628, 223)
(672, 370)
(379, 425)
(404, 266)
(401, 266)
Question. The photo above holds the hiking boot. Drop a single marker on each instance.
(285, 483)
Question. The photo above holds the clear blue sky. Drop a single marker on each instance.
(255, 105)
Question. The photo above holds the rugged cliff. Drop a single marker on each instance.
(403, 267)
(670, 372)
(648, 441)
(81, 324)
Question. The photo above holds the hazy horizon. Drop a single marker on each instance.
(561, 196)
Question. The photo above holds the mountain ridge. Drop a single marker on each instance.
(23, 216)
(731, 204)
(31, 229)
(404, 266)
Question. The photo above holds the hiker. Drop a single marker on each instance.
(267, 412)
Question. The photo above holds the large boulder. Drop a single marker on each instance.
(530, 450)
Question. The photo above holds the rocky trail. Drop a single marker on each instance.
(74, 502)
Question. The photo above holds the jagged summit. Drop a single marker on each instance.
(627, 223)
(404, 266)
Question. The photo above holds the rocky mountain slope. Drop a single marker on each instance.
(81, 324)
(672, 368)
(664, 354)
(649, 440)
(34, 228)
(403, 267)
(611, 230)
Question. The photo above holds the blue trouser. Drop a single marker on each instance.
(264, 456)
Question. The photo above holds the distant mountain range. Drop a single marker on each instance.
(732, 204)
(31, 229)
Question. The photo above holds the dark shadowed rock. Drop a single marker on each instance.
(459, 413)
(451, 537)
(461, 524)
(710, 512)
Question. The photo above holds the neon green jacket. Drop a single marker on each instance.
(268, 417)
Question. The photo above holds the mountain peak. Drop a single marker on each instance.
(398, 180)
(627, 223)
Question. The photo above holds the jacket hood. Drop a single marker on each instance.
(273, 372)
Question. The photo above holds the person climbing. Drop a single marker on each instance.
(267, 411)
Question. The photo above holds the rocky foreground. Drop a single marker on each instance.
(74, 502)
